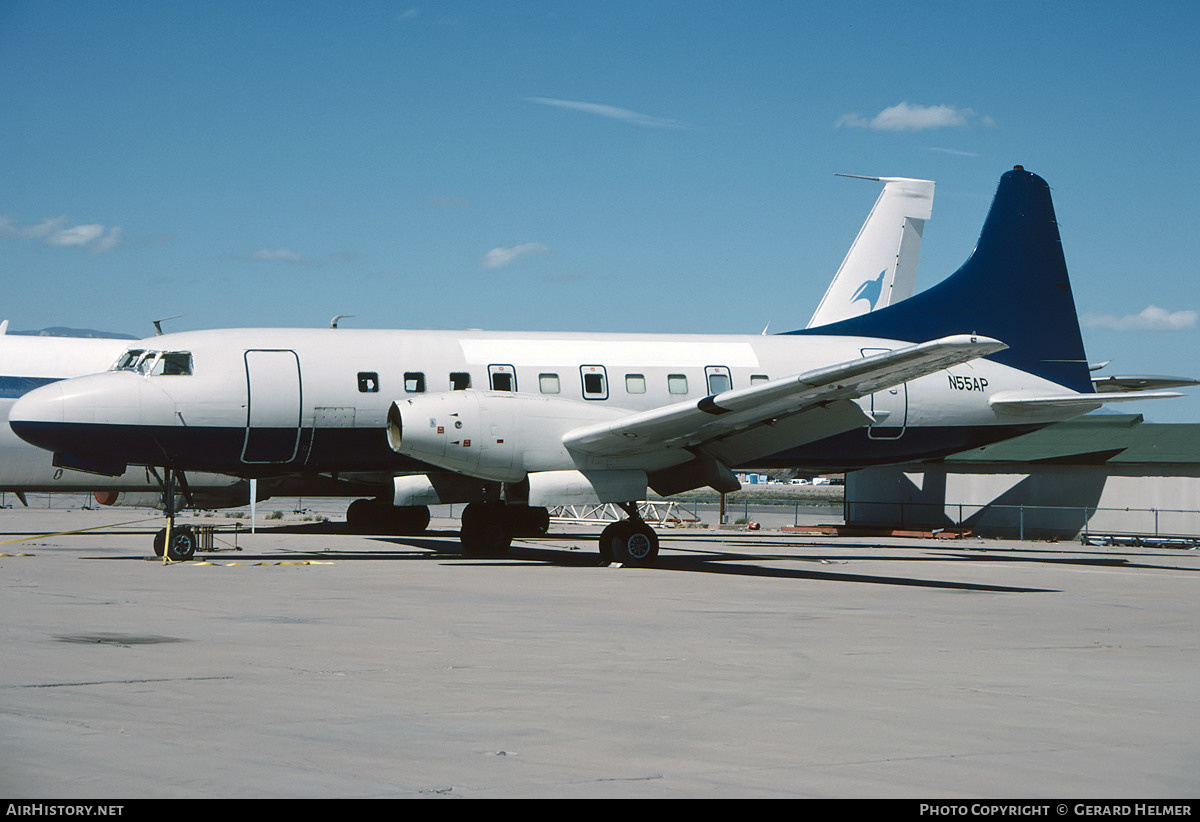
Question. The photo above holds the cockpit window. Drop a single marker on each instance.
(174, 363)
(154, 363)
(129, 360)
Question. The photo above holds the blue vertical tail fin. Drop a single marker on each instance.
(1014, 287)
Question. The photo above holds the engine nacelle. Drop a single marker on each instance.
(493, 435)
(133, 499)
(439, 489)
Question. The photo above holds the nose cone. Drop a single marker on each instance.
(81, 415)
(36, 412)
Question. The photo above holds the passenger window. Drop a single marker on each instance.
(677, 383)
(414, 382)
(548, 383)
(595, 382)
(755, 379)
(635, 384)
(368, 382)
(460, 381)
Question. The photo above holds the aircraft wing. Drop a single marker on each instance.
(819, 393)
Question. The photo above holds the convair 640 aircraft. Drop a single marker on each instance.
(511, 422)
(879, 268)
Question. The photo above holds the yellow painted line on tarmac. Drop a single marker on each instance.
(78, 530)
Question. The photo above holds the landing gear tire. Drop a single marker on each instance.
(629, 543)
(483, 531)
(410, 520)
(358, 514)
(183, 544)
(523, 521)
(607, 537)
(375, 516)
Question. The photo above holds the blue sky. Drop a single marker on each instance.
(649, 166)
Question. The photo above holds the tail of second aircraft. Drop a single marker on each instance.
(881, 266)
(1014, 287)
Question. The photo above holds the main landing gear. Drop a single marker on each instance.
(374, 516)
(488, 528)
(630, 541)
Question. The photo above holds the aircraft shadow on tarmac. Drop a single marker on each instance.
(567, 549)
(561, 549)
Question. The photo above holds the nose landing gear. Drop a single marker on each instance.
(183, 543)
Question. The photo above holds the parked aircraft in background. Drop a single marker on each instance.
(881, 267)
(511, 421)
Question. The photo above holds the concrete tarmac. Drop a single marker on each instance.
(315, 663)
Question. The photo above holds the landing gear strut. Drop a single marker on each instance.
(178, 543)
(630, 541)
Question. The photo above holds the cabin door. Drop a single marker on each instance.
(272, 406)
(889, 407)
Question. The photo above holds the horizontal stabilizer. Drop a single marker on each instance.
(1015, 402)
(1141, 383)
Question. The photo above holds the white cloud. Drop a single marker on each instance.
(908, 117)
(1151, 318)
(108, 242)
(79, 235)
(954, 151)
(93, 237)
(500, 257)
(276, 254)
(612, 112)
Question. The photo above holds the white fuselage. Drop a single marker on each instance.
(263, 401)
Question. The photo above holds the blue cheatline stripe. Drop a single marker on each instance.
(13, 387)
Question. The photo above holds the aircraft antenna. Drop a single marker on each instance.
(858, 177)
(334, 322)
(158, 324)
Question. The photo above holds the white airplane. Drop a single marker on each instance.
(27, 362)
(510, 422)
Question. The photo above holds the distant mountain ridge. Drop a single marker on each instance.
(63, 331)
